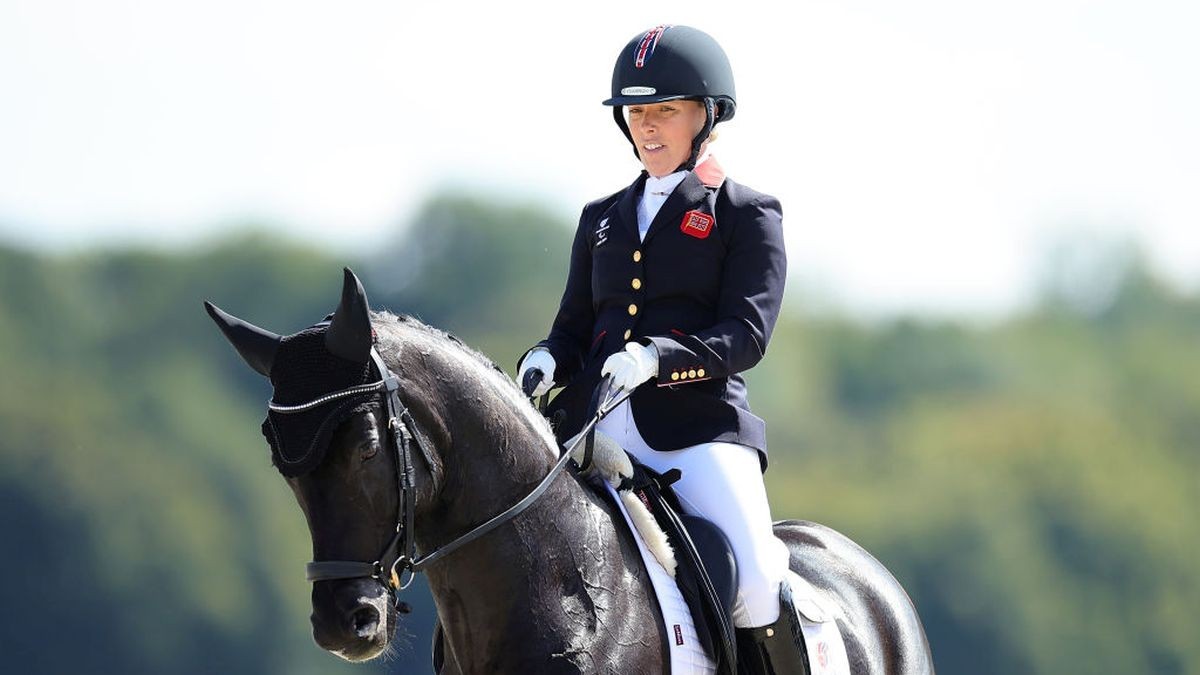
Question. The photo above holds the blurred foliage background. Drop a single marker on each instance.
(1032, 482)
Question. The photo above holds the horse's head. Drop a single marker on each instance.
(327, 428)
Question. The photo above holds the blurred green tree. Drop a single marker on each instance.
(1031, 482)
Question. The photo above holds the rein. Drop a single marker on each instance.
(399, 556)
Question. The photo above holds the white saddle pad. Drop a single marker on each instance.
(822, 637)
(687, 653)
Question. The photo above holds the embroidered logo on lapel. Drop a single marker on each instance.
(602, 232)
(697, 224)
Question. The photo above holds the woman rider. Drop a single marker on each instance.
(674, 287)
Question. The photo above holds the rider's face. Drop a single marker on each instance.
(663, 133)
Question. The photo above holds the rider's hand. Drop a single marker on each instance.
(631, 367)
(541, 359)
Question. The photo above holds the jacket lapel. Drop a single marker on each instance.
(627, 206)
(690, 194)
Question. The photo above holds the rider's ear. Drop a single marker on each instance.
(349, 334)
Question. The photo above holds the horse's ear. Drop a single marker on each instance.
(257, 346)
(349, 334)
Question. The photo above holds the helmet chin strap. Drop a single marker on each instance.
(710, 116)
(619, 116)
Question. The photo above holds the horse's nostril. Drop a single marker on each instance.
(365, 621)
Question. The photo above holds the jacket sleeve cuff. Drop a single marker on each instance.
(676, 364)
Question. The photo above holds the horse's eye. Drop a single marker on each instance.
(368, 449)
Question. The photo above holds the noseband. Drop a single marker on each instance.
(399, 556)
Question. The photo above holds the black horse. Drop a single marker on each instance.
(379, 419)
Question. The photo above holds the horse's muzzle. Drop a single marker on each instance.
(353, 619)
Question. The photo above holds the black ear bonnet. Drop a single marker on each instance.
(304, 371)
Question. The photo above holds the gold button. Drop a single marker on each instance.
(675, 375)
(632, 310)
(636, 283)
(628, 333)
(700, 372)
(637, 256)
(770, 632)
(691, 373)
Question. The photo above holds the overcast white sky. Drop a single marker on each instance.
(927, 153)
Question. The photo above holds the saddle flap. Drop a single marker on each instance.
(710, 608)
(716, 554)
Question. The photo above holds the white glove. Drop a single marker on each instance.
(631, 367)
(541, 359)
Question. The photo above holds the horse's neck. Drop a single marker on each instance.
(557, 583)
(495, 456)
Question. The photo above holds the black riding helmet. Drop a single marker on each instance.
(668, 63)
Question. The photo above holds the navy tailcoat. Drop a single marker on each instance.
(704, 287)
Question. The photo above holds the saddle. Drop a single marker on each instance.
(705, 571)
(699, 557)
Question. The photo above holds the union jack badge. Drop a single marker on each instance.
(697, 224)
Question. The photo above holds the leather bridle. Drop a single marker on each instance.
(399, 556)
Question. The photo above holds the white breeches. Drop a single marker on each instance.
(722, 482)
